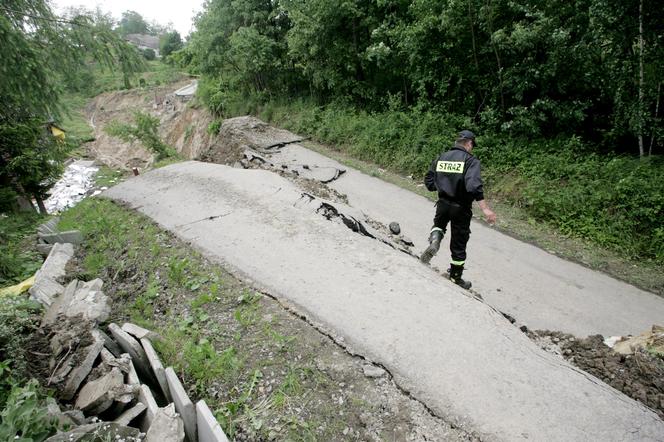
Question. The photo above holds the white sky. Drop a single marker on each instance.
(179, 13)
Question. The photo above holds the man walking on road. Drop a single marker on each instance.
(455, 174)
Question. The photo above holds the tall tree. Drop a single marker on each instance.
(132, 22)
(39, 48)
(169, 43)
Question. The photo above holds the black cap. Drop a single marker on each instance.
(467, 135)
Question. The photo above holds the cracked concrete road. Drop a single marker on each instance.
(537, 288)
(460, 357)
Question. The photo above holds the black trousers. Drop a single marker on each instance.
(459, 217)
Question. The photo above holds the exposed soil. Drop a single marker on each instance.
(640, 376)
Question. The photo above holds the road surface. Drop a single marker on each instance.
(459, 356)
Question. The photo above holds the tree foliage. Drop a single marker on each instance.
(132, 22)
(525, 67)
(145, 129)
(169, 43)
(39, 51)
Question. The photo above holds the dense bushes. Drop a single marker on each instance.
(615, 201)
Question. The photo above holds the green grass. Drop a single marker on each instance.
(18, 258)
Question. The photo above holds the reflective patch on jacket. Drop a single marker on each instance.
(450, 166)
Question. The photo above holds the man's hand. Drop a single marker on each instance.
(488, 213)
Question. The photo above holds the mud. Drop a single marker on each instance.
(640, 376)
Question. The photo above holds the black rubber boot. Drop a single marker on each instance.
(455, 276)
(435, 238)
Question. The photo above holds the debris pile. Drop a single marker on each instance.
(74, 185)
(109, 380)
(636, 369)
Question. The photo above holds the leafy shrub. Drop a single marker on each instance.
(16, 263)
(25, 417)
(145, 129)
(19, 317)
(214, 127)
(149, 54)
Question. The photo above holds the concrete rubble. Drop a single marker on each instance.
(183, 404)
(108, 374)
(166, 427)
(46, 286)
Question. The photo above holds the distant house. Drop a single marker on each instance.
(144, 41)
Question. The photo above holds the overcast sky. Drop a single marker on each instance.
(179, 13)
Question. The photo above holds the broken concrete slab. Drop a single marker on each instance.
(46, 286)
(80, 372)
(71, 237)
(138, 332)
(132, 376)
(45, 290)
(44, 249)
(60, 303)
(209, 429)
(56, 414)
(98, 432)
(183, 404)
(76, 416)
(130, 414)
(50, 226)
(110, 344)
(157, 367)
(133, 347)
(167, 426)
(97, 396)
(146, 398)
(92, 304)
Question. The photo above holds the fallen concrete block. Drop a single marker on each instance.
(84, 367)
(92, 304)
(60, 303)
(49, 226)
(157, 367)
(44, 249)
(146, 398)
(130, 414)
(97, 396)
(167, 426)
(133, 347)
(138, 332)
(183, 404)
(98, 432)
(111, 345)
(132, 376)
(123, 398)
(46, 287)
(209, 429)
(71, 237)
(45, 290)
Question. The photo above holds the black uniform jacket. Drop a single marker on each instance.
(456, 176)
